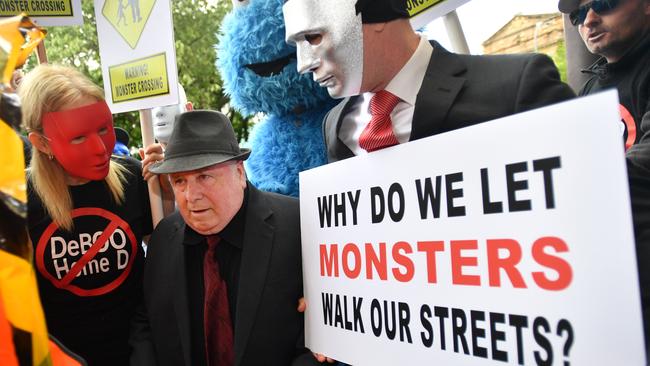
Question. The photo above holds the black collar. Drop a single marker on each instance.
(601, 67)
(233, 233)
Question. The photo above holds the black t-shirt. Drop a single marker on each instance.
(89, 308)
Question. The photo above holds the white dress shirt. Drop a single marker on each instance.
(405, 85)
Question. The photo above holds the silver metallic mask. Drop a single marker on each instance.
(163, 117)
(329, 41)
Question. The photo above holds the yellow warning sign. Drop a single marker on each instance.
(146, 77)
(128, 17)
(46, 8)
(415, 7)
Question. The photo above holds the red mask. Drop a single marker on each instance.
(82, 139)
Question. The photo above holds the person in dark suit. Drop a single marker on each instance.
(392, 71)
(223, 274)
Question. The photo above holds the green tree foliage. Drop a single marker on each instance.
(196, 23)
(560, 60)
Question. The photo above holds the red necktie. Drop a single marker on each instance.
(378, 134)
(216, 313)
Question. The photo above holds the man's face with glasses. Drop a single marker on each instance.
(610, 27)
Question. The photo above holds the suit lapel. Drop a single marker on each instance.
(440, 88)
(258, 244)
(180, 297)
(338, 149)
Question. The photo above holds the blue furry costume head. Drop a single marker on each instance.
(259, 73)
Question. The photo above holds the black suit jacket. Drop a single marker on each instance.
(463, 90)
(268, 329)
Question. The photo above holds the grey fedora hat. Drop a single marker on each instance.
(567, 6)
(199, 139)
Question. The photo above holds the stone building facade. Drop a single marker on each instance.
(542, 33)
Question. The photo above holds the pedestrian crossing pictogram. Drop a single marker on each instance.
(128, 17)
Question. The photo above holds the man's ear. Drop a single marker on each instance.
(39, 142)
(242, 172)
(376, 27)
(189, 106)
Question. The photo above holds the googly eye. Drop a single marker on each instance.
(239, 3)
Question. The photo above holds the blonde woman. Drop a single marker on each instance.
(88, 213)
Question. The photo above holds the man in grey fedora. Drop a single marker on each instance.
(223, 274)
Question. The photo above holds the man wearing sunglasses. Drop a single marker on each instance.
(618, 30)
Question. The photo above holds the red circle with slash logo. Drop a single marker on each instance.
(630, 126)
(92, 258)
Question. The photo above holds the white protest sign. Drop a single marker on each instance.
(138, 57)
(422, 12)
(509, 241)
(45, 12)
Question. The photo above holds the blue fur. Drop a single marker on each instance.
(284, 142)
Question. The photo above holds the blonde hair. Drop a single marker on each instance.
(45, 89)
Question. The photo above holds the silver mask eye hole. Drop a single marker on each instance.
(239, 3)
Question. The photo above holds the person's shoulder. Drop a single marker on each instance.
(512, 69)
(171, 221)
(588, 86)
(168, 226)
(165, 242)
(126, 160)
(333, 114)
(279, 204)
(639, 155)
(510, 59)
(440, 51)
(502, 68)
(34, 203)
(131, 164)
(276, 198)
(281, 212)
(499, 59)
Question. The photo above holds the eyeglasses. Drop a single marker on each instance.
(579, 15)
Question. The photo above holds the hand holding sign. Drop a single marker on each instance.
(302, 307)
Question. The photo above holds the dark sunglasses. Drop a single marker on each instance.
(579, 15)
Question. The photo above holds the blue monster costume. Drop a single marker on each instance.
(259, 73)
